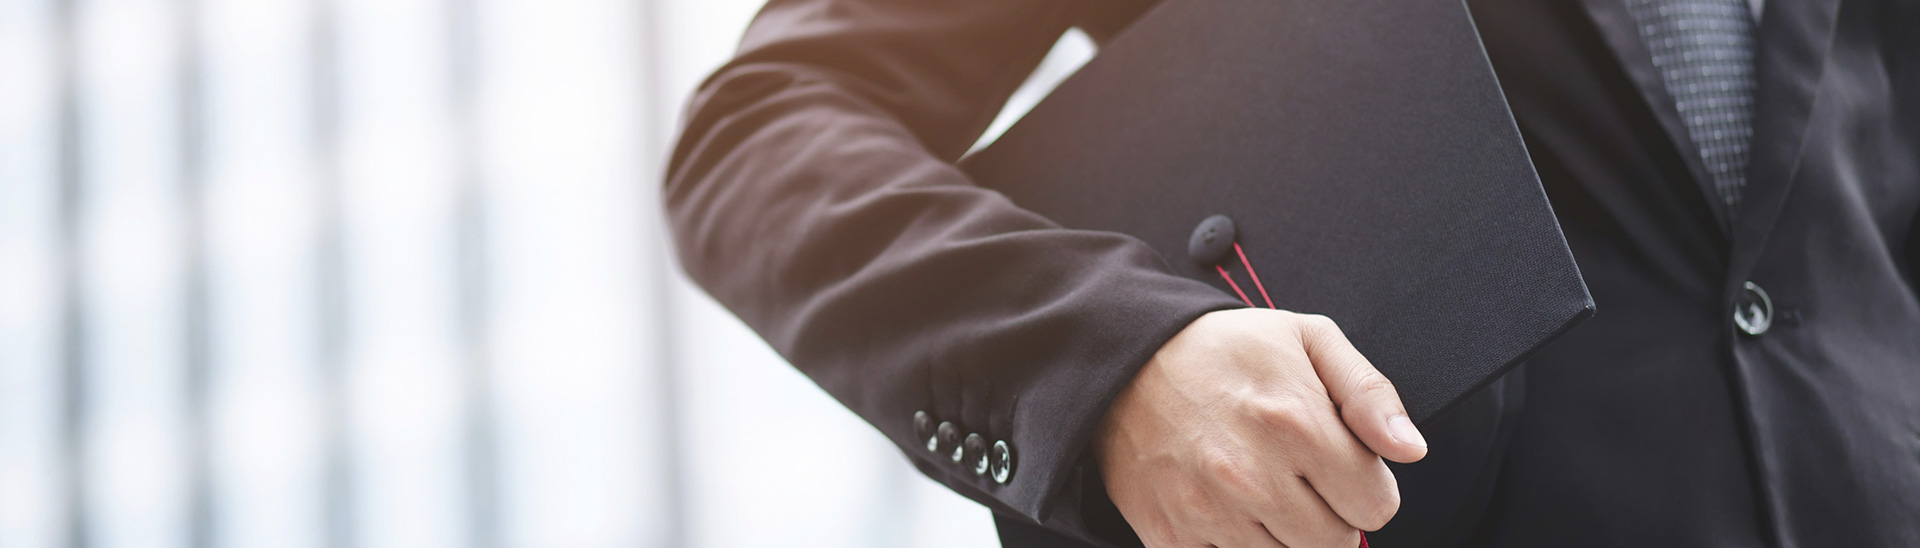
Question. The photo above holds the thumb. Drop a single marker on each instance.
(1367, 401)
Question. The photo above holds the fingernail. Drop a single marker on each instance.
(1402, 430)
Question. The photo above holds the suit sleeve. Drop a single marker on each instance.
(813, 193)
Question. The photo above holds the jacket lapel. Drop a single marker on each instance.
(1619, 30)
(1795, 37)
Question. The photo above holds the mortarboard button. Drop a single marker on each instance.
(1211, 240)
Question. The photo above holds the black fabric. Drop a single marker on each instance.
(813, 193)
(1441, 260)
(1656, 423)
(1017, 533)
(1632, 435)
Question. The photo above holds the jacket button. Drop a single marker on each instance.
(1211, 240)
(1000, 462)
(975, 448)
(923, 429)
(948, 437)
(1753, 313)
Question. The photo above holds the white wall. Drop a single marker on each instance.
(341, 273)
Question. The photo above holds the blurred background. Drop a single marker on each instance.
(392, 273)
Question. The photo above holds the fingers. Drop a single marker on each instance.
(1231, 437)
(1356, 485)
(1202, 518)
(1245, 533)
(1298, 518)
(1367, 401)
(1248, 534)
(1348, 477)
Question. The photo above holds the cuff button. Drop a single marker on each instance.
(923, 429)
(1000, 462)
(947, 440)
(976, 452)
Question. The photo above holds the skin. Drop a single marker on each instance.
(1256, 428)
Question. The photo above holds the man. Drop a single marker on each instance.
(1739, 184)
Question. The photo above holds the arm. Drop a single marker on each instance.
(813, 193)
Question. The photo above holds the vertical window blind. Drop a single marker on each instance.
(393, 273)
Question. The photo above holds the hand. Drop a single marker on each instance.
(1256, 428)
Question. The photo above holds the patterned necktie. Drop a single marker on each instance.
(1704, 52)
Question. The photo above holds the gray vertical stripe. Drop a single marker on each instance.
(190, 91)
(74, 360)
(482, 461)
(484, 509)
(338, 477)
(653, 138)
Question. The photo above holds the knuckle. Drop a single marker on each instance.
(1320, 324)
(1380, 511)
(1334, 534)
(1233, 473)
(1389, 507)
(1195, 501)
(1285, 420)
(1371, 384)
(1382, 502)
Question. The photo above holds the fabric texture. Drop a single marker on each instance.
(1704, 52)
(1463, 284)
(813, 193)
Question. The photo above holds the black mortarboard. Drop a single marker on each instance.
(1359, 151)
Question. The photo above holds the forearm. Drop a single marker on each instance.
(820, 205)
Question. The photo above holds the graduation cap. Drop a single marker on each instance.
(1358, 152)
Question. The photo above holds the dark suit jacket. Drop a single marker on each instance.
(813, 193)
